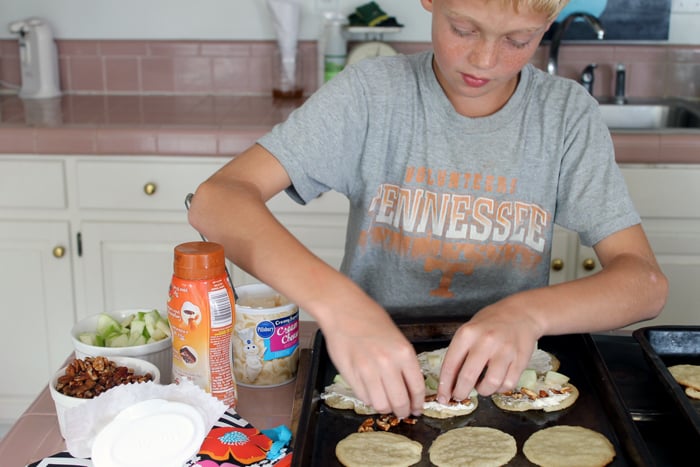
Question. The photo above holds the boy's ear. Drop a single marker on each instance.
(427, 4)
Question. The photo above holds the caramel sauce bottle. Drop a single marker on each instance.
(201, 312)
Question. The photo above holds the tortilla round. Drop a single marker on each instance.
(435, 410)
(339, 401)
(375, 448)
(692, 393)
(472, 446)
(524, 404)
(687, 375)
(566, 445)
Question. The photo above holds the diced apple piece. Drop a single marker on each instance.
(139, 340)
(431, 382)
(127, 321)
(99, 341)
(150, 321)
(338, 379)
(528, 379)
(136, 328)
(554, 378)
(164, 327)
(107, 324)
(89, 338)
(119, 340)
(435, 361)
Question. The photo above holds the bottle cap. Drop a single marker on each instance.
(199, 260)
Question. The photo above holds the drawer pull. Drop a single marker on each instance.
(588, 264)
(150, 188)
(59, 252)
(557, 264)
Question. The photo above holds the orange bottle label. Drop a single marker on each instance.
(201, 315)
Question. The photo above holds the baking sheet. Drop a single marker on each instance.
(664, 346)
(599, 406)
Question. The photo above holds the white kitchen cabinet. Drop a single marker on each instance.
(83, 234)
(36, 278)
(133, 215)
(668, 199)
(127, 265)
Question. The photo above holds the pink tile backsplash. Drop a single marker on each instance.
(245, 67)
(214, 97)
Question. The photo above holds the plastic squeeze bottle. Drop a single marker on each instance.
(201, 315)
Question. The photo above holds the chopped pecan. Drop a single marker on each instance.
(90, 377)
(384, 425)
(529, 393)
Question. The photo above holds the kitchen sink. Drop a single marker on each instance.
(651, 115)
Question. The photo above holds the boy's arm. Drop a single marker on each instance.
(501, 337)
(366, 347)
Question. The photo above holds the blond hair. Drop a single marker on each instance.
(551, 8)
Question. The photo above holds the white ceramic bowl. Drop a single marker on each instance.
(64, 402)
(158, 353)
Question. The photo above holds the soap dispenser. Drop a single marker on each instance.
(38, 59)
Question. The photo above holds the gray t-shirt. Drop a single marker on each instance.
(450, 213)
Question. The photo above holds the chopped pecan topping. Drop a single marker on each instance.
(529, 393)
(90, 377)
(384, 422)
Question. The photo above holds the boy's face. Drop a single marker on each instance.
(480, 47)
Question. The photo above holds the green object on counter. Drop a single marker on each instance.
(371, 14)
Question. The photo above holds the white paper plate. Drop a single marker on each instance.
(153, 432)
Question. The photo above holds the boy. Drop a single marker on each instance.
(457, 163)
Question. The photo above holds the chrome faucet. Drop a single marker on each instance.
(588, 77)
(552, 64)
(620, 74)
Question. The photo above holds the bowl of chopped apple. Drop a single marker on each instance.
(137, 333)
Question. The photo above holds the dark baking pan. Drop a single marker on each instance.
(599, 406)
(665, 346)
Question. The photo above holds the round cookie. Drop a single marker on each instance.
(472, 446)
(687, 375)
(374, 448)
(566, 445)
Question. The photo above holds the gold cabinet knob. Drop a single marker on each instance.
(557, 264)
(59, 252)
(588, 264)
(150, 188)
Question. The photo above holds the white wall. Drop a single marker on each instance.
(192, 19)
(226, 19)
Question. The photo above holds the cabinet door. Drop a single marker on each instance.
(129, 264)
(667, 200)
(562, 267)
(37, 310)
(676, 244)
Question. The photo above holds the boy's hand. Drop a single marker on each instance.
(376, 359)
(488, 353)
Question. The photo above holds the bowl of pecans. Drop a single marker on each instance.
(87, 378)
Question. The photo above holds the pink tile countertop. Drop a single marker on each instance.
(214, 125)
(36, 435)
(138, 124)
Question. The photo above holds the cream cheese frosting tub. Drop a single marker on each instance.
(266, 337)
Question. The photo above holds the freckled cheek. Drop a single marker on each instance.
(513, 62)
